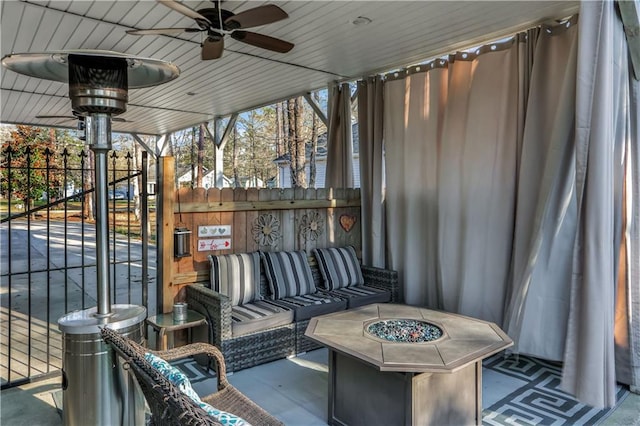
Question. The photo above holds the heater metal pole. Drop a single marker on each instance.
(98, 133)
(96, 389)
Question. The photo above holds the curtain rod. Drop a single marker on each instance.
(494, 39)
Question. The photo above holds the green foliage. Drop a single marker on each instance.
(258, 138)
(31, 165)
(250, 153)
(28, 167)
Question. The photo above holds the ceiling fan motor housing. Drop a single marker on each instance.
(214, 15)
(98, 84)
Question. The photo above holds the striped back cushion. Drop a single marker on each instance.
(288, 273)
(339, 267)
(236, 276)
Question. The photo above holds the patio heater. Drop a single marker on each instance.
(96, 389)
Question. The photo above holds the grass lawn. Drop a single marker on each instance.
(125, 221)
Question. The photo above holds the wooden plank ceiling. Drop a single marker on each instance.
(328, 47)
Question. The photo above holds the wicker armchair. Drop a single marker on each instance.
(169, 406)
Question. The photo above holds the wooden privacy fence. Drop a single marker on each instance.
(237, 220)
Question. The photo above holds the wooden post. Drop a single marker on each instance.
(164, 210)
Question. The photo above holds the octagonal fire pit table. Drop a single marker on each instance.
(393, 364)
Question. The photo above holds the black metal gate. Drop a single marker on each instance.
(48, 262)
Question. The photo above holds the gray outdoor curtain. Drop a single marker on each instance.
(545, 216)
(602, 117)
(504, 194)
(451, 166)
(476, 181)
(370, 136)
(339, 143)
(413, 116)
(627, 334)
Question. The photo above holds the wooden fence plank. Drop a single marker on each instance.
(287, 222)
(240, 208)
(239, 227)
(253, 194)
(280, 204)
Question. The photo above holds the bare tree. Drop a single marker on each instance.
(87, 184)
(291, 146)
(300, 145)
(137, 182)
(236, 176)
(279, 128)
(200, 170)
(314, 146)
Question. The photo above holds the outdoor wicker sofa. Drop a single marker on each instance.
(169, 406)
(249, 343)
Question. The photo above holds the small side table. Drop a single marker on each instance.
(164, 323)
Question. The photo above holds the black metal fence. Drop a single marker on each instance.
(48, 266)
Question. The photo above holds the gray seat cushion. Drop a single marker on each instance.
(257, 316)
(361, 295)
(311, 305)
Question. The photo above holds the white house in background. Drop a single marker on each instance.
(209, 181)
(249, 182)
(186, 176)
(284, 162)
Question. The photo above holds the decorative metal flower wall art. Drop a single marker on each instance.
(311, 226)
(266, 230)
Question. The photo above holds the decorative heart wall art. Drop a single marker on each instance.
(214, 230)
(347, 221)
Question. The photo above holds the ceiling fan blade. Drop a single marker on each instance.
(263, 41)
(165, 31)
(56, 117)
(185, 10)
(212, 48)
(79, 117)
(260, 15)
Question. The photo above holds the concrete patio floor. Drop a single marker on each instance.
(291, 390)
(294, 390)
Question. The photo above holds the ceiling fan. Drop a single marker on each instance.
(80, 121)
(76, 117)
(217, 22)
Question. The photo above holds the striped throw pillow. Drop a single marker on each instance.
(236, 276)
(339, 267)
(288, 273)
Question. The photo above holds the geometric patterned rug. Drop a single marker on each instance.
(528, 392)
(539, 401)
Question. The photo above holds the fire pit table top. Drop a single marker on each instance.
(407, 338)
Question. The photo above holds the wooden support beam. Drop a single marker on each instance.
(629, 13)
(231, 206)
(144, 145)
(354, 100)
(218, 140)
(191, 277)
(211, 135)
(165, 226)
(316, 108)
(162, 143)
(354, 97)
